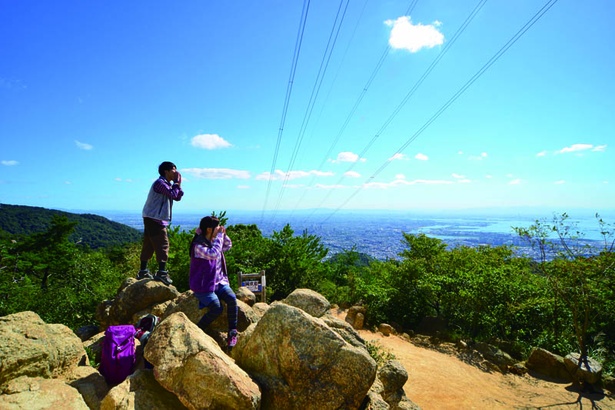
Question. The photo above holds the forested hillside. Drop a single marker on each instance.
(92, 230)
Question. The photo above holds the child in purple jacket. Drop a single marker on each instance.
(208, 277)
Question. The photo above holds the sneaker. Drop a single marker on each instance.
(163, 276)
(231, 339)
(144, 274)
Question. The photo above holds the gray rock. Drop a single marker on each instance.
(140, 391)
(313, 303)
(300, 363)
(25, 393)
(246, 296)
(548, 364)
(32, 348)
(590, 370)
(191, 365)
(135, 298)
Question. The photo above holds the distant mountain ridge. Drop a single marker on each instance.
(93, 230)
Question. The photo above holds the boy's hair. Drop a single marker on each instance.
(165, 166)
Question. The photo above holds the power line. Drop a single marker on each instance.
(293, 69)
(367, 85)
(335, 29)
(547, 6)
(414, 88)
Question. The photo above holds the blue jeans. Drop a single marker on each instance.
(211, 300)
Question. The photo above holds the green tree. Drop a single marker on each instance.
(296, 262)
(581, 278)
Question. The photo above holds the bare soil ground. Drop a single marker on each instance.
(442, 381)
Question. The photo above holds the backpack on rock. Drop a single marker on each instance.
(145, 326)
(118, 353)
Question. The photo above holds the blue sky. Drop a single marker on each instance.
(94, 95)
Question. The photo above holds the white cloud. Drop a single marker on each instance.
(515, 182)
(413, 37)
(421, 157)
(460, 152)
(541, 154)
(347, 156)
(398, 182)
(243, 186)
(279, 175)
(599, 148)
(575, 148)
(457, 176)
(209, 141)
(400, 176)
(83, 145)
(9, 163)
(399, 157)
(118, 179)
(216, 173)
(480, 157)
(352, 174)
(560, 182)
(488, 176)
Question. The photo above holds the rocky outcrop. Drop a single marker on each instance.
(301, 363)
(356, 317)
(140, 391)
(40, 393)
(313, 303)
(134, 299)
(587, 371)
(246, 296)
(190, 364)
(30, 347)
(549, 364)
(285, 358)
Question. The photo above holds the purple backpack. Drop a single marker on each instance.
(118, 353)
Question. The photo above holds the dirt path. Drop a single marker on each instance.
(441, 381)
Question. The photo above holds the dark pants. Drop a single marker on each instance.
(211, 300)
(155, 240)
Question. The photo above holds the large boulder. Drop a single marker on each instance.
(140, 391)
(345, 330)
(190, 364)
(246, 296)
(189, 305)
(502, 360)
(301, 363)
(311, 302)
(589, 371)
(548, 364)
(90, 383)
(355, 316)
(30, 347)
(134, 299)
(41, 394)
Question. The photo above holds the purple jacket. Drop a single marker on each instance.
(207, 263)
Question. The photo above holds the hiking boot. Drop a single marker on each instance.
(163, 276)
(231, 339)
(144, 274)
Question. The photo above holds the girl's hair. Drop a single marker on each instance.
(206, 222)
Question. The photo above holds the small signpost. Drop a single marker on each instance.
(255, 282)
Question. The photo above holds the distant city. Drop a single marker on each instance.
(380, 234)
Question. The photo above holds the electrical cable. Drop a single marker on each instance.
(478, 74)
(315, 90)
(293, 69)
